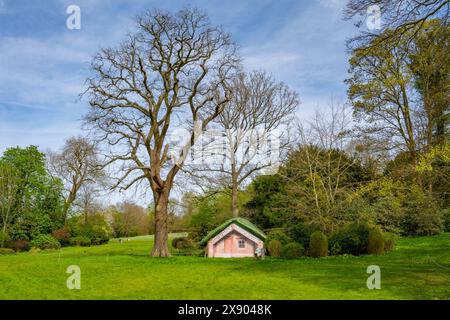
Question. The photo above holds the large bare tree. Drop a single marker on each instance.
(78, 165)
(247, 139)
(172, 72)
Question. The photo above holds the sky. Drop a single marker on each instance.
(43, 64)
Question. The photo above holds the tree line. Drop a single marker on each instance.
(381, 158)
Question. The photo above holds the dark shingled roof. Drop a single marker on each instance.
(241, 222)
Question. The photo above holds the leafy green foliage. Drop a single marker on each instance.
(318, 245)
(37, 201)
(44, 241)
(209, 212)
(423, 216)
(80, 241)
(278, 234)
(96, 229)
(352, 239)
(292, 250)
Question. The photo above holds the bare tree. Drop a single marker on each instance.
(319, 167)
(404, 17)
(171, 73)
(247, 134)
(86, 200)
(78, 165)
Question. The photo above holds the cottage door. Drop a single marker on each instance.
(228, 244)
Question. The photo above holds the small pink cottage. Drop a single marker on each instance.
(235, 238)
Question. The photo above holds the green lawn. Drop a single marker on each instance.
(418, 269)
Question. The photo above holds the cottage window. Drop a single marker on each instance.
(241, 243)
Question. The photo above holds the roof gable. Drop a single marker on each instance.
(241, 222)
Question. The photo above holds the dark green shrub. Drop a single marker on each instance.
(376, 242)
(274, 248)
(292, 250)
(96, 230)
(389, 241)
(98, 235)
(318, 245)
(336, 249)
(6, 251)
(278, 234)
(45, 241)
(19, 245)
(352, 239)
(62, 235)
(423, 217)
(301, 233)
(80, 241)
(182, 243)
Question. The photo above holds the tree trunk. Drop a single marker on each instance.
(160, 246)
(234, 196)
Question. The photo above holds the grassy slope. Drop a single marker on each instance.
(418, 269)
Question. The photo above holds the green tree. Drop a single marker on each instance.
(9, 187)
(430, 66)
(37, 200)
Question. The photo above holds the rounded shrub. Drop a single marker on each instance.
(4, 251)
(45, 241)
(376, 242)
(274, 248)
(80, 241)
(292, 250)
(182, 243)
(318, 245)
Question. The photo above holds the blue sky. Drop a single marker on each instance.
(43, 65)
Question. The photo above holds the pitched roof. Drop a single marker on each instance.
(243, 223)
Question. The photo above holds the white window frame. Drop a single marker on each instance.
(241, 241)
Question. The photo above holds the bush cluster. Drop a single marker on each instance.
(354, 239)
(45, 241)
(80, 241)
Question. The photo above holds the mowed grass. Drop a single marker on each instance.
(418, 269)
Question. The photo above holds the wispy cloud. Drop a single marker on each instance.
(43, 65)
